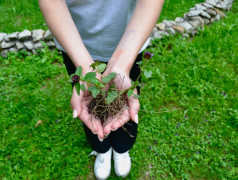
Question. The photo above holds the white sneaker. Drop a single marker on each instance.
(122, 163)
(102, 165)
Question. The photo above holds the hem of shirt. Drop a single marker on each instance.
(101, 58)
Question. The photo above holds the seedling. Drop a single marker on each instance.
(111, 101)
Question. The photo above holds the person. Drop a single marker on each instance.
(115, 32)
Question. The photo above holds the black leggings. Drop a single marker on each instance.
(120, 140)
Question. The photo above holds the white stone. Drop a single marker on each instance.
(4, 53)
(19, 45)
(189, 28)
(179, 19)
(195, 13)
(24, 35)
(223, 4)
(37, 35)
(170, 31)
(206, 15)
(206, 21)
(5, 44)
(220, 12)
(219, 6)
(212, 2)
(211, 12)
(52, 44)
(199, 6)
(34, 51)
(173, 23)
(11, 36)
(196, 24)
(185, 35)
(186, 17)
(12, 49)
(217, 17)
(160, 34)
(2, 36)
(48, 35)
(167, 23)
(207, 5)
(154, 30)
(161, 26)
(38, 45)
(191, 9)
(29, 45)
(229, 7)
(199, 19)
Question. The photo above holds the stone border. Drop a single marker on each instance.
(25, 40)
(202, 14)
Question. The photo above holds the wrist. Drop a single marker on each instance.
(117, 69)
(122, 60)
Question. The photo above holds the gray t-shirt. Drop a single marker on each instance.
(101, 24)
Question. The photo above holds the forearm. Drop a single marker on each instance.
(61, 24)
(137, 32)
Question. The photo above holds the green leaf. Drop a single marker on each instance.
(78, 71)
(111, 96)
(82, 78)
(132, 83)
(101, 84)
(139, 63)
(82, 87)
(77, 87)
(94, 90)
(109, 77)
(129, 93)
(96, 63)
(148, 74)
(90, 76)
(70, 77)
(112, 87)
(101, 67)
(136, 95)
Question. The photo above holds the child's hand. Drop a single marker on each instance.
(79, 104)
(122, 81)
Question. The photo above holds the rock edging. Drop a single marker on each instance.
(26, 40)
(202, 14)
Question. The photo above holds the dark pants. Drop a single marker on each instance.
(120, 140)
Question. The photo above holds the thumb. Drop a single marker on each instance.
(76, 103)
(134, 106)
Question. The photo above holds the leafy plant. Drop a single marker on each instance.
(112, 100)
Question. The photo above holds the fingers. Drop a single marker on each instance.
(76, 102)
(107, 129)
(134, 107)
(92, 123)
(119, 122)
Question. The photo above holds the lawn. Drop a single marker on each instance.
(25, 14)
(188, 119)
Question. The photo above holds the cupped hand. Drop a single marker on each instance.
(79, 104)
(122, 82)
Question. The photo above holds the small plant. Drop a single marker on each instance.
(106, 102)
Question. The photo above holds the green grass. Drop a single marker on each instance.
(194, 80)
(19, 15)
(176, 8)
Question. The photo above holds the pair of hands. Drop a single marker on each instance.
(79, 104)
